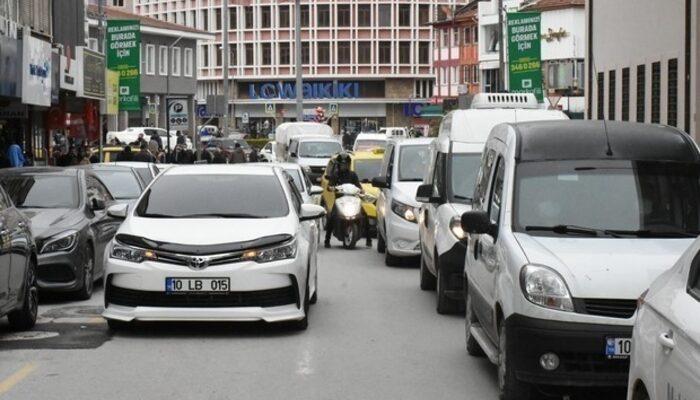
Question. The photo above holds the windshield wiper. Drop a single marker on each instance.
(648, 233)
(564, 229)
(220, 215)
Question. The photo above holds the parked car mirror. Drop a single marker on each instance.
(310, 212)
(478, 222)
(118, 211)
(424, 194)
(381, 182)
(97, 204)
(315, 190)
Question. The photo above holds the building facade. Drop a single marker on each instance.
(644, 67)
(370, 60)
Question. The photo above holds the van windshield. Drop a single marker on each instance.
(463, 170)
(608, 198)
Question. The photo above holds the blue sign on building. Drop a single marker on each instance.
(311, 90)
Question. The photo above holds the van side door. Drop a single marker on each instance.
(430, 211)
(384, 199)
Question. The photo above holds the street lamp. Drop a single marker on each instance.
(167, 96)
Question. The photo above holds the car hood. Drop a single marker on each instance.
(313, 162)
(604, 267)
(46, 222)
(209, 231)
(405, 192)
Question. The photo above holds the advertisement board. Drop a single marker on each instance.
(10, 67)
(525, 53)
(69, 73)
(123, 56)
(36, 71)
(92, 84)
(112, 92)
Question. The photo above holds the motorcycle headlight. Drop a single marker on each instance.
(283, 252)
(131, 254)
(404, 211)
(368, 198)
(456, 228)
(64, 241)
(545, 287)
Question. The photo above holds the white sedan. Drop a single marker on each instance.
(666, 336)
(214, 243)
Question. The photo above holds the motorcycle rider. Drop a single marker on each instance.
(339, 176)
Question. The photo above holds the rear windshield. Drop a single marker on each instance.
(368, 169)
(412, 162)
(369, 144)
(214, 196)
(123, 184)
(42, 191)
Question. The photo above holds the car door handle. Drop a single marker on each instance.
(666, 341)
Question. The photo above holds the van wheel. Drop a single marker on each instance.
(445, 305)
(509, 387)
(24, 318)
(381, 244)
(427, 280)
(473, 347)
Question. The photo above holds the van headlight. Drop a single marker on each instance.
(404, 211)
(131, 254)
(546, 288)
(64, 241)
(456, 227)
(283, 252)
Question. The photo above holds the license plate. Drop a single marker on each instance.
(185, 285)
(618, 347)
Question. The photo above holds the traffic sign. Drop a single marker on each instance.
(270, 108)
(245, 118)
(333, 109)
(178, 116)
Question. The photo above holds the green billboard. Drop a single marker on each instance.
(525, 53)
(123, 56)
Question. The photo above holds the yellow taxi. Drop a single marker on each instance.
(109, 153)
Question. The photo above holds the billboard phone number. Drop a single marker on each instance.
(526, 66)
(129, 73)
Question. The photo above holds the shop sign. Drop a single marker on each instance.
(69, 73)
(311, 90)
(10, 67)
(123, 56)
(13, 111)
(178, 114)
(36, 71)
(245, 118)
(412, 109)
(92, 85)
(525, 53)
(112, 92)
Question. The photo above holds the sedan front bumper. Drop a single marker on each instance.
(60, 271)
(401, 236)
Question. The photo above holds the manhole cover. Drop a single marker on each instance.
(29, 335)
(74, 312)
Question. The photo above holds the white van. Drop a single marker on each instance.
(447, 190)
(571, 222)
(313, 153)
(286, 131)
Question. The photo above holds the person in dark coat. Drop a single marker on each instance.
(126, 154)
(144, 155)
(253, 156)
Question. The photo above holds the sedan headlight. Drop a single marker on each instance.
(404, 211)
(132, 254)
(283, 252)
(456, 227)
(64, 241)
(545, 287)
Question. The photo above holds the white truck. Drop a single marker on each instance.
(285, 132)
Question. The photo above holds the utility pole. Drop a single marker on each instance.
(297, 57)
(167, 96)
(501, 50)
(225, 51)
(101, 41)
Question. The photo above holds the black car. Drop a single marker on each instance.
(124, 183)
(18, 291)
(69, 223)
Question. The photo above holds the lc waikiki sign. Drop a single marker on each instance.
(123, 56)
(311, 90)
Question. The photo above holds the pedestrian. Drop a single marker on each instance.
(126, 154)
(238, 155)
(181, 140)
(144, 155)
(153, 145)
(15, 155)
(219, 157)
(156, 137)
(253, 156)
(207, 156)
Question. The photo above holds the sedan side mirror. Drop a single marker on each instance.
(118, 211)
(97, 204)
(478, 222)
(381, 182)
(315, 190)
(424, 194)
(310, 212)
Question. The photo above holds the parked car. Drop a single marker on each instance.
(313, 153)
(267, 153)
(666, 336)
(253, 257)
(109, 153)
(571, 222)
(369, 141)
(310, 193)
(146, 171)
(130, 135)
(19, 298)
(454, 163)
(402, 171)
(124, 183)
(69, 223)
(229, 144)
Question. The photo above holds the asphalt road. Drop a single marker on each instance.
(372, 335)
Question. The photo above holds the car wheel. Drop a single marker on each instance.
(314, 298)
(445, 305)
(303, 323)
(391, 260)
(473, 347)
(381, 244)
(427, 280)
(24, 318)
(509, 387)
(85, 291)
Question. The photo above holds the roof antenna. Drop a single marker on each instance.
(608, 151)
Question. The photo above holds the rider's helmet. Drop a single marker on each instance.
(343, 161)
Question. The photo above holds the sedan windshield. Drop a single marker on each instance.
(319, 149)
(42, 191)
(618, 199)
(463, 170)
(367, 169)
(123, 184)
(367, 144)
(412, 162)
(214, 196)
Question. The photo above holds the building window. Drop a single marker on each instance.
(385, 52)
(601, 95)
(445, 37)
(323, 53)
(455, 37)
(189, 62)
(150, 59)
(625, 94)
(343, 52)
(232, 18)
(285, 54)
(423, 14)
(163, 60)
(404, 52)
(176, 61)
(641, 92)
(404, 15)
(323, 15)
(424, 53)
(249, 54)
(384, 15)
(305, 16)
(467, 36)
(364, 15)
(306, 53)
(205, 56)
(265, 17)
(284, 16)
(611, 95)
(232, 54)
(205, 20)
(364, 52)
(656, 93)
(343, 15)
(249, 18)
(219, 56)
(217, 19)
(266, 54)
(672, 117)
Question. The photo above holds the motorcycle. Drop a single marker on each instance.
(349, 221)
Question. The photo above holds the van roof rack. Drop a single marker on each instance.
(504, 100)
